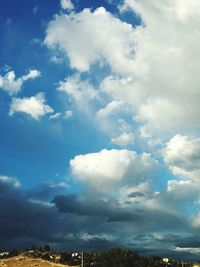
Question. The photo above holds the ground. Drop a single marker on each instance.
(22, 261)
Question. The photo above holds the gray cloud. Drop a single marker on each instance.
(110, 209)
(77, 222)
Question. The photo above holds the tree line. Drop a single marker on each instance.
(119, 257)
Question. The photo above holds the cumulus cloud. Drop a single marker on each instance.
(111, 120)
(82, 94)
(35, 106)
(66, 4)
(76, 35)
(148, 113)
(124, 139)
(13, 85)
(182, 155)
(110, 109)
(78, 89)
(162, 80)
(124, 134)
(155, 73)
(108, 168)
(147, 81)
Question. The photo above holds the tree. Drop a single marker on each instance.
(46, 248)
(34, 248)
(65, 258)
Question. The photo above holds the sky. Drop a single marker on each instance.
(99, 125)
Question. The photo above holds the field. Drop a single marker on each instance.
(22, 261)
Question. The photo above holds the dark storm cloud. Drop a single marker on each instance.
(85, 206)
(19, 216)
(47, 191)
(71, 222)
(25, 221)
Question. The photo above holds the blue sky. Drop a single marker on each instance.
(99, 111)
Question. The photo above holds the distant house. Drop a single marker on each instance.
(57, 258)
(54, 256)
(51, 256)
(31, 251)
(165, 260)
(75, 254)
(4, 253)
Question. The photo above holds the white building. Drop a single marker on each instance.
(165, 260)
(4, 253)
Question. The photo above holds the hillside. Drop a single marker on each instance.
(22, 261)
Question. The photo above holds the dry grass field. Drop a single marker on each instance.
(22, 261)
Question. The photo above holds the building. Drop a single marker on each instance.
(4, 254)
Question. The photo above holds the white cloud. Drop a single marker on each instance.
(162, 73)
(146, 135)
(183, 191)
(159, 120)
(174, 184)
(41, 203)
(66, 4)
(55, 116)
(182, 156)
(181, 10)
(109, 121)
(81, 94)
(124, 139)
(35, 106)
(108, 168)
(77, 36)
(120, 89)
(31, 75)
(68, 114)
(79, 90)
(110, 109)
(13, 85)
(154, 78)
(10, 180)
(192, 250)
(164, 85)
